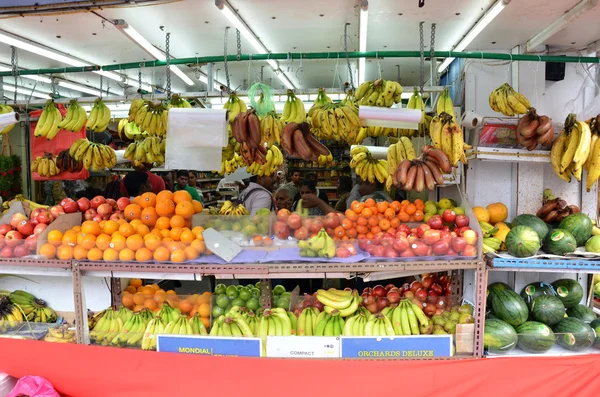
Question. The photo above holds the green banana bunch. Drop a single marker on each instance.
(131, 333)
(47, 125)
(491, 244)
(181, 326)
(329, 324)
(168, 313)
(99, 116)
(197, 325)
(409, 319)
(445, 105)
(355, 324)
(233, 325)
(320, 245)
(124, 314)
(3, 110)
(307, 321)
(75, 118)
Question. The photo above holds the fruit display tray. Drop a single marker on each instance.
(293, 255)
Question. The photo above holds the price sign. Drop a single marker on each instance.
(418, 346)
(303, 346)
(209, 345)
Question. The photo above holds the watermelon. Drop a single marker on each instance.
(596, 327)
(559, 242)
(580, 226)
(510, 307)
(499, 337)
(533, 290)
(523, 241)
(535, 337)
(533, 222)
(573, 334)
(493, 288)
(568, 291)
(547, 309)
(582, 312)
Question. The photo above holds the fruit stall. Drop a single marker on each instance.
(475, 247)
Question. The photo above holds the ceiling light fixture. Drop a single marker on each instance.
(25, 91)
(80, 88)
(484, 21)
(141, 41)
(362, 39)
(41, 79)
(240, 25)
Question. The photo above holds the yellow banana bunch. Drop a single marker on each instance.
(415, 102)
(47, 125)
(75, 118)
(445, 105)
(148, 150)
(94, 156)
(152, 117)
(228, 208)
(45, 166)
(179, 102)
(382, 93)
(447, 135)
(235, 105)
(507, 101)
(99, 117)
(270, 128)
(335, 121)
(274, 160)
(368, 168)
(230, 165)
(3, 110)
(293, 109)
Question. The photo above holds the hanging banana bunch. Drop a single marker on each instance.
(381, 93)
(415, 102)
(293, 109)
(99, 117)
(235, 105)
(270, 129)
(150, 117)
(148, 150)
(95, 156)
(179, 102)
(445, 105)
(3, 110)
(334, 121)
(507, 101)
(47, 125)
(75, 118)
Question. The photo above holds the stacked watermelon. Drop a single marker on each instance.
(540, 316)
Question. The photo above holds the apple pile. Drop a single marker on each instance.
(18, 238)
(96, 209)
(432, 293)
(442, 235)
(293, 225)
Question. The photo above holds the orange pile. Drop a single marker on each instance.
(363, 220)
(137, 297)
(156, 227)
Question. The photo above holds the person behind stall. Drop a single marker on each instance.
(182, 184)
(315, 205)
(257, 194)
(167, 178)
(156, 182)
(136, 183)
(294, 183)
(319, 193)
(364, 190)
(344, 188)
(284, 199)
(193, 182)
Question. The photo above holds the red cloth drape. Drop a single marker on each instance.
(93, 371)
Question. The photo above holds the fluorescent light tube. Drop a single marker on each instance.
(485, 20)
(79, 88)
(41, 79)
(362, 41)
(24, 91)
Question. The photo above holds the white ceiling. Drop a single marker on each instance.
(197, 29)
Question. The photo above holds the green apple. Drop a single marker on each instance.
(427, 216)
(458, 210)
(445, 203)
(431, 208)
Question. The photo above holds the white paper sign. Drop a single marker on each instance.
(303, 346)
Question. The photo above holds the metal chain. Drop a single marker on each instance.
(347, 58)
(140, 81)
(422, 48)
(101, 81)
(239, 44)
(14, 61)
(432, 56)
(225, 60)
(167, 49)
(55, 90)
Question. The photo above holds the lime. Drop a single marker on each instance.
(255, 292)
(222, 301)
(238, 302)
(458, 210)
(286, 294)
(217, 311)
(283, 303)
(252, 304)
(274, 301)
(220, 289)
(258, 284)
(279, 289)
(232, 292)
(245, 294)
(228, 308)
(239, 287)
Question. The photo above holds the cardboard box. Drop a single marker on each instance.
(465, 338)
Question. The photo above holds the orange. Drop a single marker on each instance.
(419, 216)
(373, 221)
(150, 304)
(403, 217)
(163, 223)
(162, 254)
(55, 237)
(198, 245)
(177, 221)
(360, 229)
(175, 233)
(367, 212)
(361, 221)
(156, 232)
(127, 301)
(375, 229)
(482, 214)
(91, 227)
(190, 253)
(147, 290)
(117, 241)
(351, 233)
(131, 289)
(419, 204)
(165, 207)
(95, 254)
(198, 232)
(142, 230)
(339, 232)
(347, 224)
(411, 209)
(394, 223)
(395, 205)
(48, 251)
(132, 211)
(87, 241)
(160, 295)
(267, 241)
(382, 206)
(178, 255)
(134, 242)
(185, 306)
(205, 321)
(79, 252)
(498, 212)
(102, 223)
(138, 298)
(357, 206)
(135, 282)
(188, 223)
(405, 202)
(181, 195)
(142, 255)
(135, 223)
(165, 233)
(198, 207)
(69, 238)
(137, 308)
(149, 216)
(164, 194)
(185, 209)
(103, 241)
(351, 215)
(110, 227)
(152, 242)
(370, 203)
(148, 199)
(110, 255)
(384, 224)
(126, 255)
(126, 229)
(389, 213)
(187, 236)
(171, 292)
(121, 221)
(172, 245)
(204, 310)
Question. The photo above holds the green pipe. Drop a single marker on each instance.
(317, 55)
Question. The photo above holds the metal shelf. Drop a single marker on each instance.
(35, 267)
(542, 264)
(326, 187)
(208, 180)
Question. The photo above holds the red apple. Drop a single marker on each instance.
(426, 281)
(301, 233)
(401, 244)
(379, 251)
(342, 253)
(379, 291)
(458, 244)
(2, 241)
(112, 203)
(432, 297)
(404, 228)
(98, 218)
(461, 220)
(97, 201)
(431, 236)
(116, 216)
(5, 228)
(332, 220)
(393, 296)
(7, 252)
(435, 287)
(430, 309)
(435, 222)
(441, 303)
(382, 303)
(449, 215)
(441, 247)
(89, 214)
(470, 250)
(13, 238)
(407, 254)
(44, 217)
(421, 294)
(83, 204)
(446, 228)
(16, 219)
(36, 212)
(31, 242)
(283, 214)
(25, 228)
(415, 285)
(470, 237)
(316, 226)
(39, 228)
(104, 209)
(66, 200)
(70, 207)
(390, 252)
(421, 230)
(20, 251)
(351, 248)
(56, 211)
(294, 221)
(122, 203)
(419, 248)
(389, 287)
(451, 252)
(408, 294)
(372, 308)
(367, 300)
